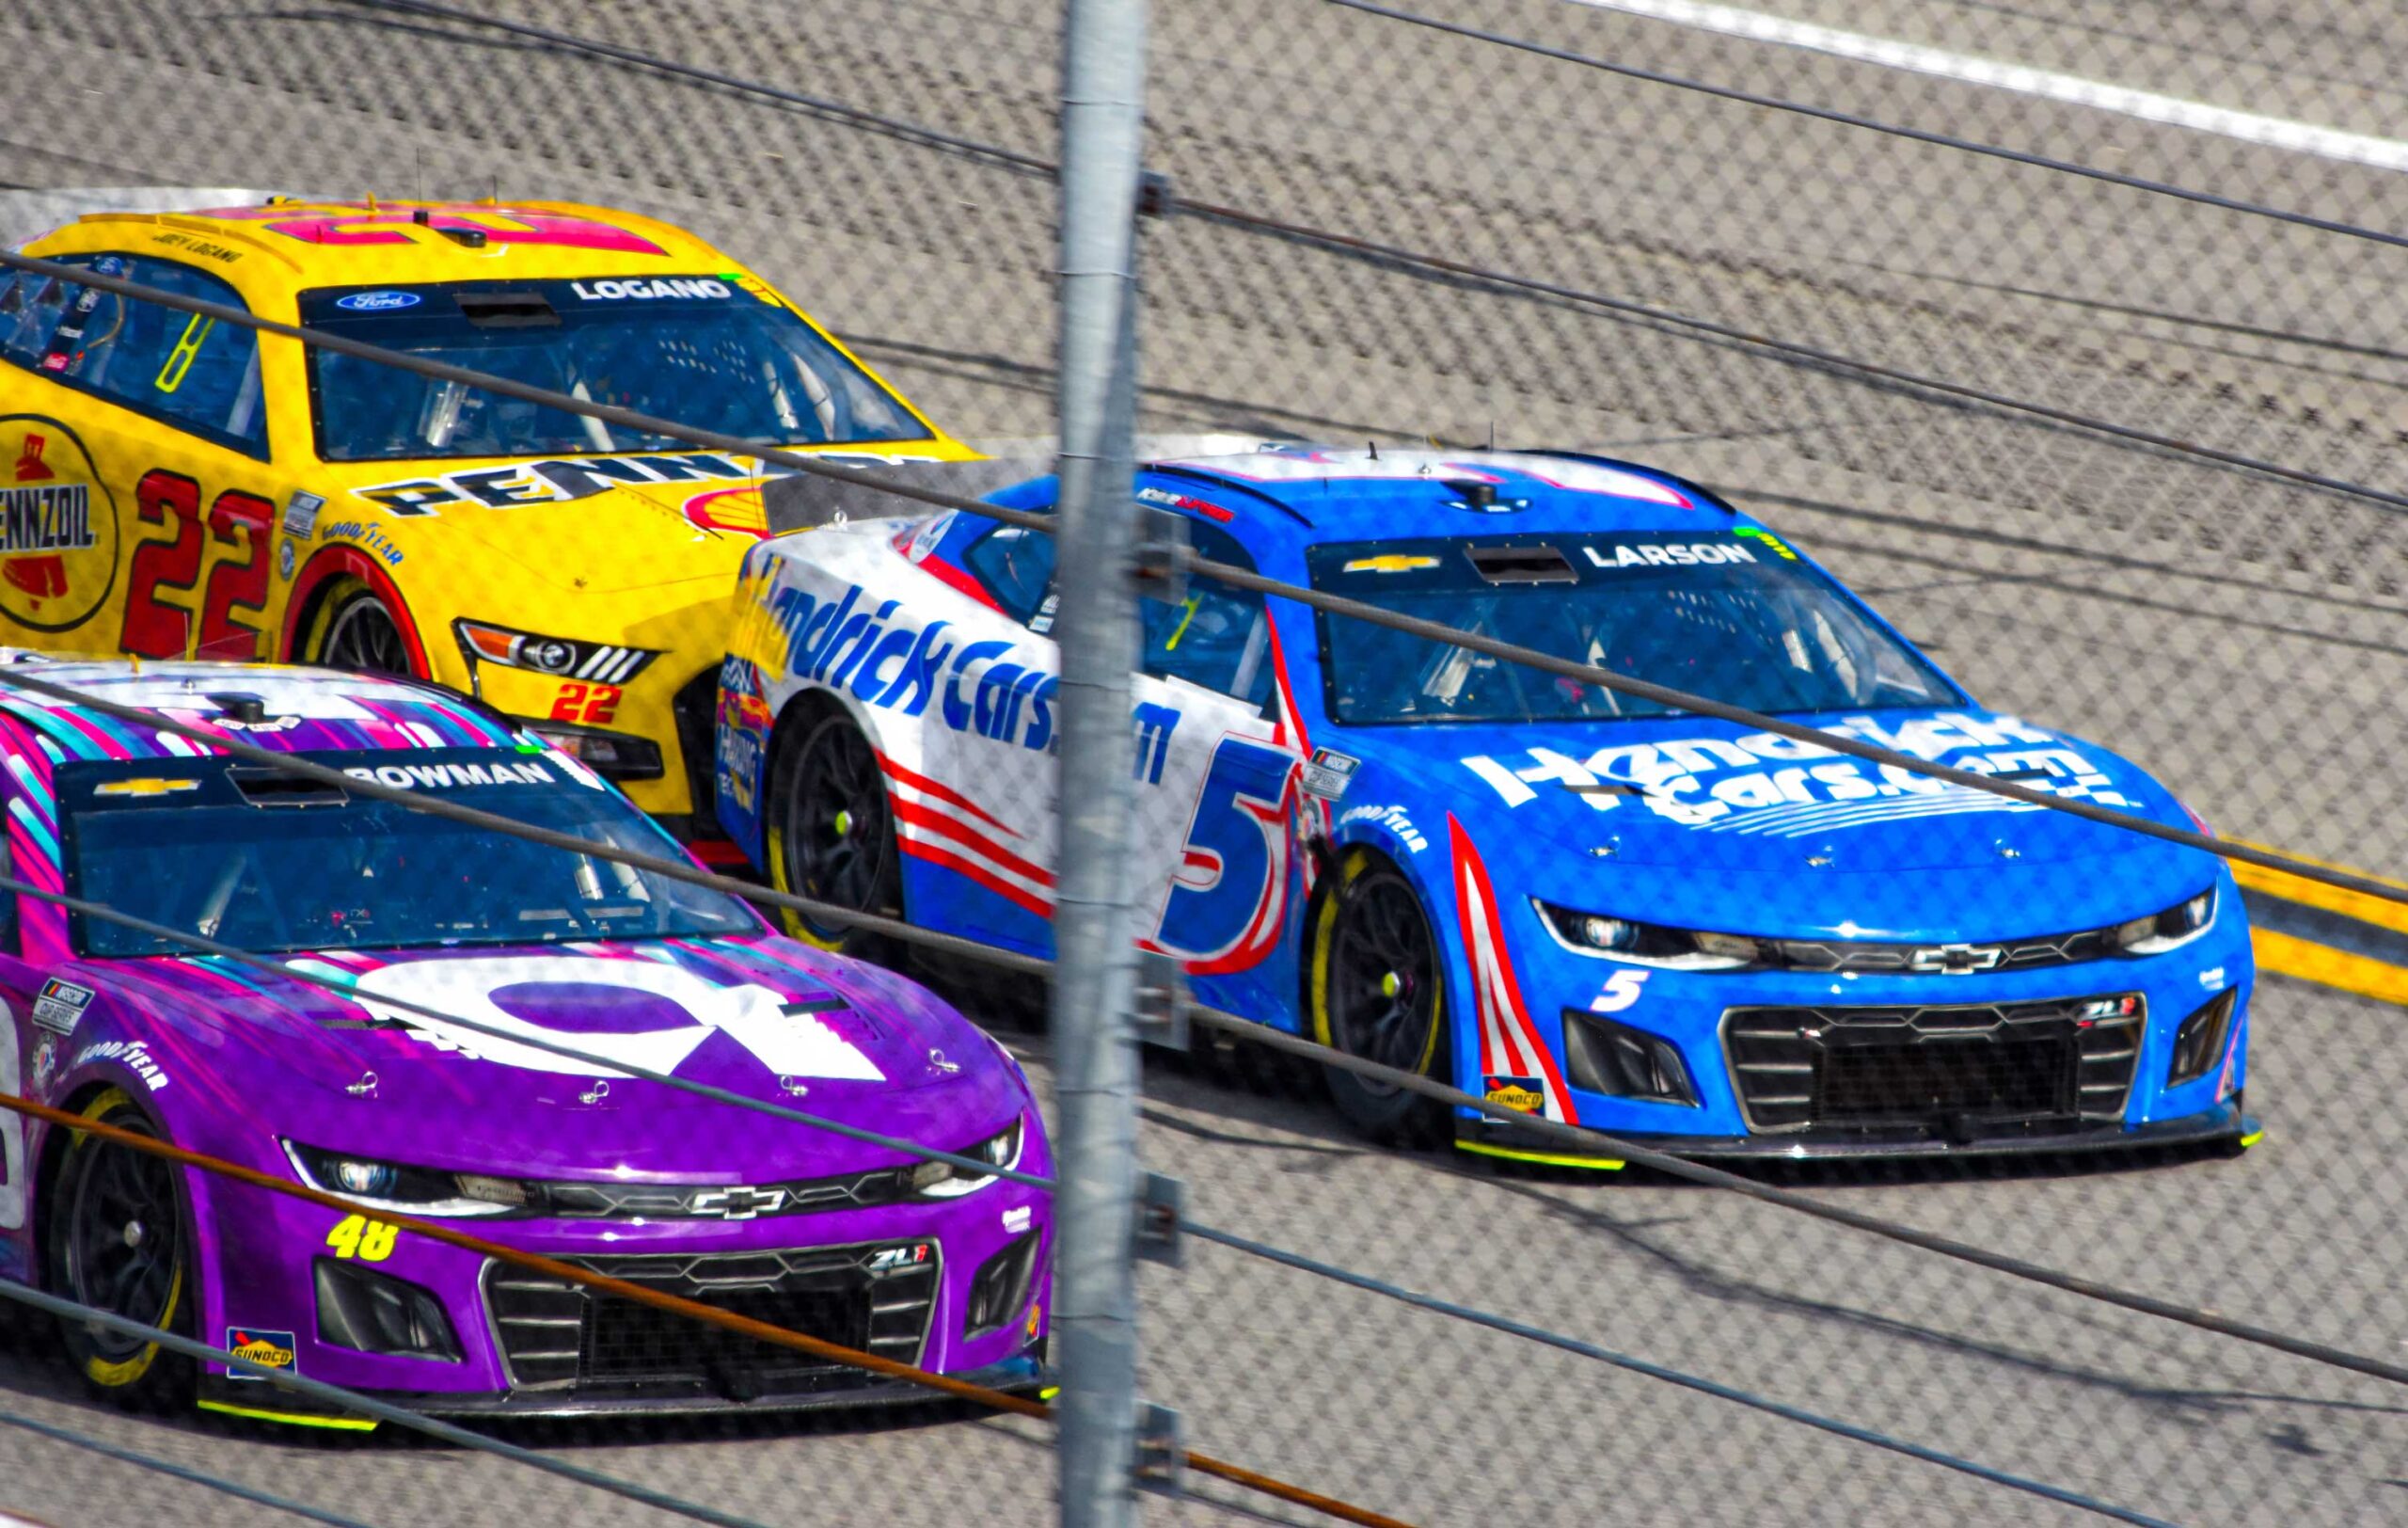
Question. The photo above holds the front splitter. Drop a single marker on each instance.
(1022, 1376)
(2225, 1122)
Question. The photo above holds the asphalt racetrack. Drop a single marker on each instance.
(2243, 639)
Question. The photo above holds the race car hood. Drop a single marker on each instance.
(771, 1022)
(1707, 825)
(594, 525)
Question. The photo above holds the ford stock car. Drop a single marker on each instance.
(398, 1112)
(175, 486)
(1574, 902)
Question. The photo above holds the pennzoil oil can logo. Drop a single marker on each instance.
(57, 526)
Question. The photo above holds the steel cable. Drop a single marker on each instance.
(1237, 577)
(1870, 124)
(556, 1268)
(1329, 239)
(181, 1472)
(1672, 1376)
(1581, 1138)
(319, 1390)
(1596, 1143)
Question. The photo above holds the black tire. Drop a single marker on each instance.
(1377, 991)
(116, 1236)
(830, 836)
(358, 633)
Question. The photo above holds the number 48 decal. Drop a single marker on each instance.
(356, 1236)
(237, 524)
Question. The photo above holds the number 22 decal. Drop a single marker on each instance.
(237, 523)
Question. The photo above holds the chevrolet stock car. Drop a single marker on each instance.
(176, 486)
(398, 1112)
(1571, 901)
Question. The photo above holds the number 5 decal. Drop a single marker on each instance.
(238, 524)
(1223, 913)
(1623, 989)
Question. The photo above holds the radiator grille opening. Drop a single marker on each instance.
(559, 1337)
(1946, 1069)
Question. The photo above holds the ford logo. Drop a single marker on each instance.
(377, 302)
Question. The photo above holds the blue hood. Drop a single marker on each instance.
(1708, 825)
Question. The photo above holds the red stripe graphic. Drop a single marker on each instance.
(946, 794)
(1509, 1042)
(926, 821)
(956, 580)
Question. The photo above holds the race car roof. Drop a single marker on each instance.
(288, 709)
(372, 240)
(1319, 494)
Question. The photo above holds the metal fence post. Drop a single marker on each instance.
(1095, 1289)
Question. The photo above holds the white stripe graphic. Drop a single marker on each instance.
(1766, 816)
(2250, 127)
(1857, 816)
(966, 842)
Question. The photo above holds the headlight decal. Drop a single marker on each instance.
(565, 658)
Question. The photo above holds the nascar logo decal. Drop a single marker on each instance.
(1522, 1074)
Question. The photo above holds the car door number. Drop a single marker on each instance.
(238, 525)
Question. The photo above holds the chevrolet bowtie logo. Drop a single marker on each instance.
(736, 1204)
(1957, 960)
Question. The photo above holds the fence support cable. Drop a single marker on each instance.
(1872, 124)
(601, 1284)
(1181, 558)
(180, 1471)
(318, 1389)
(1674, 1376)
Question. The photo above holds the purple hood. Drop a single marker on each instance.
(764, 1017)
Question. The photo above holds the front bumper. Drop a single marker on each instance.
(1027, 1375)
(897, 1281)
(2076, 1057)
(2226, 1122)
(658, 727)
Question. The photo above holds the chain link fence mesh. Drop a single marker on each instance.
(2239, 636)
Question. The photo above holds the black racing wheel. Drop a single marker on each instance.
(359, 632)
(115, 1238)
(831, 835)
(1376, 992)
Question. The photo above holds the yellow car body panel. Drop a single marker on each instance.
(127, 530)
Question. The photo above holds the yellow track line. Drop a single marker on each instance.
(2291, 956)
(2377, 911)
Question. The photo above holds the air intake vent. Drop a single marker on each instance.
(1521, 564)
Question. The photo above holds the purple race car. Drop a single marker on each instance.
(917, 1261)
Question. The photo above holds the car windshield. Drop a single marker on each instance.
(254, 857)
(713, 352)
(1732, 615)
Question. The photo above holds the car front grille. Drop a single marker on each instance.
(1874, 957)
(1947, 1067)
(561, 1337)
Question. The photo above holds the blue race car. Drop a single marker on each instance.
(1718, 941)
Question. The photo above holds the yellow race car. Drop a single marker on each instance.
(174, 486)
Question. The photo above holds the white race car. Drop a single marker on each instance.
(887, 722)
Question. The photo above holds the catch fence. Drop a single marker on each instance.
(2125, 461)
